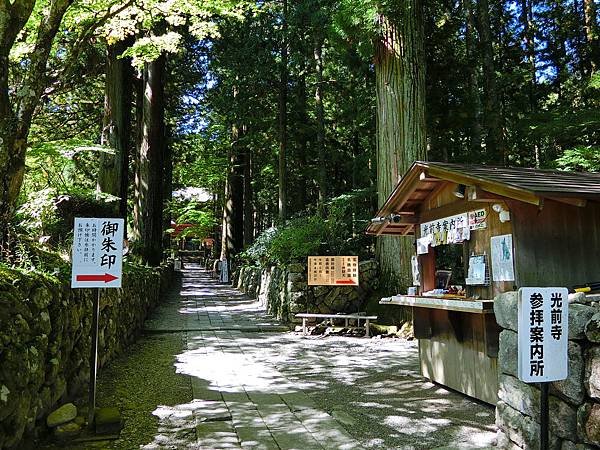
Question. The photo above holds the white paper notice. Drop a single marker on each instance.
(502, 258)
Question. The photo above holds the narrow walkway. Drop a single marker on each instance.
(257, 387)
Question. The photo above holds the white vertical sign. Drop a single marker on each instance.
(543, 334)
(97, 253)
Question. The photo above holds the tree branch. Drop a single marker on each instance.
(78, 45)
(12, 20)
(35, 80)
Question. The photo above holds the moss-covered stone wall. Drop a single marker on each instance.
(284, 292)
(45, 339)
(574, 402)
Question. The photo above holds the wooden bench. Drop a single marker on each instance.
(346, 317)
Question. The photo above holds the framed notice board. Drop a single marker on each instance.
(333, 270)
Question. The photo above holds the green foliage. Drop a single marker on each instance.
(295, 241)
(338, 232)
(198, 163)
(28, 255)
(48, 215)
(60, 185)
(300, 238)
(201, 216)
(258, 252)
(63, 166)
(580, 159)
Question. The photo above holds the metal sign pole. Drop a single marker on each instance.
(94, 358)
(544, 416)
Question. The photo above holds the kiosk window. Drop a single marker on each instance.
(450, 264)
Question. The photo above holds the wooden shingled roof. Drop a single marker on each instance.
(425, 179)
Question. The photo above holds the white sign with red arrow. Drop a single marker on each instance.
(97, 253)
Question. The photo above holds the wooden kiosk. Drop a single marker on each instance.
(481, 231)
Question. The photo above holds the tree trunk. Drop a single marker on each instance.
(150, 168)
(400, 81)
(320, 116)
(528, 38)
(136, 232)
(167, 184)
(227, 247)
(283, 118)
(16, 117)
(473, 80)
(116, 132)
(558, 52)
(591, 33)
(232, 236)
(248, 200)
(492, 109)
(584, 64)
(302, 187)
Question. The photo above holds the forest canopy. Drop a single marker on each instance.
(292, 115)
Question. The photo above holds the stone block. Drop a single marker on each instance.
(572, 388)
(579, 316)
(588, 423)
(519, 429)
(569, 445)
(592, 372)
(592, 328)
(503, 442)
(296, 277)
(64, 414)
(522, 397)
(297, 268)
(67, 431)
(296, 286)
(507, 353)
(107, 420)
(579, 297)
(505, 309)
(525, 399)
(563, 419)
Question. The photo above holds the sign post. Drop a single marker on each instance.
(97, 262)
(543, 319)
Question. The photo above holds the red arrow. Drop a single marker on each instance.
(107, 278)
(345, 282)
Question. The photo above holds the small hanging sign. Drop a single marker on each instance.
(448, 230)
(478, 219)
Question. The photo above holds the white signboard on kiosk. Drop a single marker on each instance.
(97, 253)
(543, 325)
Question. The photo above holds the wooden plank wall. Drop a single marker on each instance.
(446, 204)
(458, 358)
(557, 245)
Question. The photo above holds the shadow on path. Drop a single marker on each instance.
(215, 371)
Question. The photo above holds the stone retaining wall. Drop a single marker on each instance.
(45, 340)
(574, 402)
(284, 292)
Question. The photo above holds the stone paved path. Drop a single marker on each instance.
(258, 387)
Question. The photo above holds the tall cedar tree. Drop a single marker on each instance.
(400, 77)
